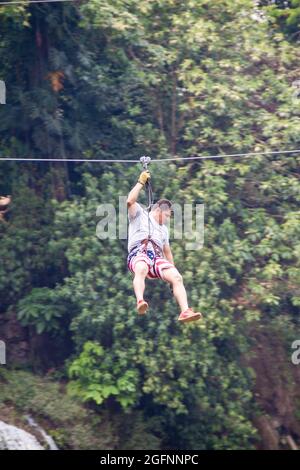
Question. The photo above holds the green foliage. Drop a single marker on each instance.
(41, 309)
(98, 378)
(71, 425)
(39, 395)
(25, 260)
(286, 15)
(164, 78)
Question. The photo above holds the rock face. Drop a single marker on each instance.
(16, 339)
(12, 438)
(277, 390)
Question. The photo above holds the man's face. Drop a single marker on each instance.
(164, 216)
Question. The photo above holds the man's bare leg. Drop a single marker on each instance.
(173, 276)
(140, 273)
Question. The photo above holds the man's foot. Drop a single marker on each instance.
(189, 315)
(142, 306)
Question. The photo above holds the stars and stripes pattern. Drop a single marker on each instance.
(156, 264)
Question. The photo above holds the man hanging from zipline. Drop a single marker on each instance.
(4, 203)
(149, 251)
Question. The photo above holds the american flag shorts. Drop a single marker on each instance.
(156, 264)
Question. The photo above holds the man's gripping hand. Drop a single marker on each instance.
(144, 177)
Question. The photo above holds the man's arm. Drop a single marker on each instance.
(134, 193)
(132, 198)
(168, 253)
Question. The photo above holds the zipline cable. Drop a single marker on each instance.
(35, 1)
(158, 160)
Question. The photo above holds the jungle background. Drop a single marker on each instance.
(116, 79)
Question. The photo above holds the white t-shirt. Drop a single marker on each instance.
(138, 229)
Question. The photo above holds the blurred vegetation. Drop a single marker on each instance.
(163, 78)
(70, 424)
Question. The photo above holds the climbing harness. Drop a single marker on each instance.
(145, 160)
(142, 247)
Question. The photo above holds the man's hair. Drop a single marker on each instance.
(163, 204)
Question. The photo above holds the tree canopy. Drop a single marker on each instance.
(113, 79)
